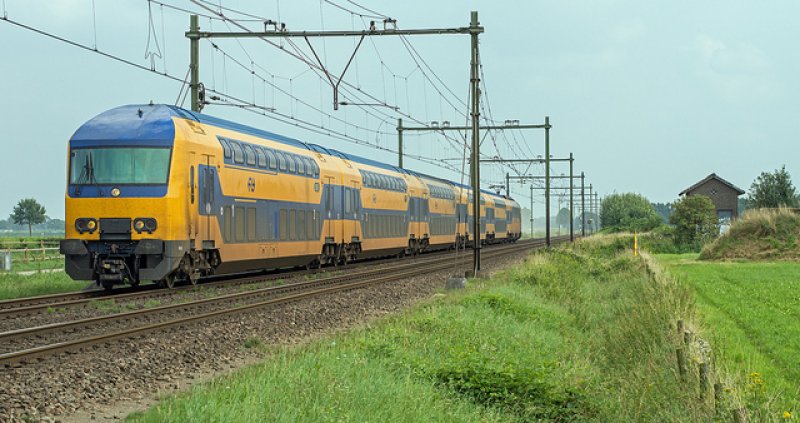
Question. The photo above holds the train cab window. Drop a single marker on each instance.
(301, 165)
(249, 155)
(290, 159)
(273, 161)
(238, 154)
(226, 148)
(281, 161)
(262, 159)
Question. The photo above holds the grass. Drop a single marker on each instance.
(17, 286)
(751, 310)
(766, 234)
(574, 334)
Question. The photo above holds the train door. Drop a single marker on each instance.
(355, 213)
(330, 208)
(193, 211)
(208, 210)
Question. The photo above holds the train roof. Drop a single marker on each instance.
(151, 124)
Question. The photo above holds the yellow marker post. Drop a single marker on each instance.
(635, 245)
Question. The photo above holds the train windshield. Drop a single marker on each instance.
(119, 166)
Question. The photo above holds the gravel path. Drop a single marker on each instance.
(108, 381)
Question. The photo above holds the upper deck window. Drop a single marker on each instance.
(119, 166)
(238, 154)
(262, 160)
(273, 162)
(226, 147)
(250, 155)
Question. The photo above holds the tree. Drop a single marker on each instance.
(695, 220)
(28, 212)
(772, 190)
(663, 210)
(563, 217)
(629, 211)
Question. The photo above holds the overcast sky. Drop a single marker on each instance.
(649, 98)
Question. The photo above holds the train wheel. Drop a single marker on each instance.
(108, 286)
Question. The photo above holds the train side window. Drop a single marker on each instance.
(226, 147)
(251, 223)
(238, 154)
(281, 161)
(310, 225)
(301, 225)
(301, 165)
(273, 161)
(292, 224)
(262, 159)
(309, 167)
(282, 225)
(239, 219)
(249, 155)
(290, 159)
(226, 230)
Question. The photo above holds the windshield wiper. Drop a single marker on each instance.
(87, 175)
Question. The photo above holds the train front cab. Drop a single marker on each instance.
(125, 198)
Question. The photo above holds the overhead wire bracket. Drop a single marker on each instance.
(324, 68)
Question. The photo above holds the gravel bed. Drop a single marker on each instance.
(102, 380)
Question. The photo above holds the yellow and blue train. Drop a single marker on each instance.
(159, 193)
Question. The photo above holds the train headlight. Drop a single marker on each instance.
(145, 224)
(85, 224)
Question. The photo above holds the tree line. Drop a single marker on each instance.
(693, 219)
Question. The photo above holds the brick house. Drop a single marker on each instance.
(722, 193)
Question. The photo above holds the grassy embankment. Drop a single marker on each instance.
(575, 334)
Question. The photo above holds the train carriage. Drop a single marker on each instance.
(159, 193)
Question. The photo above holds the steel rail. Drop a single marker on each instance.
(371, 277)
(24, 306)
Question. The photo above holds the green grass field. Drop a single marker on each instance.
(17, 286)
(752, 310)
(577, 334)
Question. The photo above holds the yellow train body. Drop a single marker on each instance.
(159, 193)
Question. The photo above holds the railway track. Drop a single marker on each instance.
(15, 308)
(23, 345)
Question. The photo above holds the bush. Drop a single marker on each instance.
(695, 220)
(759, 234)
(628, 212)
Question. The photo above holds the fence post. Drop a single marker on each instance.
(25, 252)
(41, 243)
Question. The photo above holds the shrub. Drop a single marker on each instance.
(695, 220)
(628, 212)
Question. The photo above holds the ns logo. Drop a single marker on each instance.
(251, 184)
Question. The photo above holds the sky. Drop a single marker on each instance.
(650, 97)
